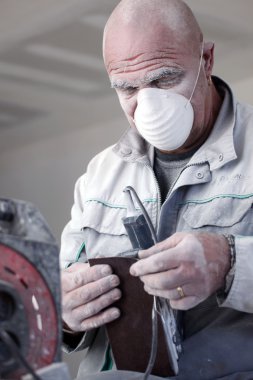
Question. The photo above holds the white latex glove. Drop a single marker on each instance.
(87, 293)
(197, 263)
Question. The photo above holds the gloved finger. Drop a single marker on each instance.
(89, 292)
(185, 303)
(73, 279)
(100, 319)
(96, 306)
(159, 262)
(170, 242)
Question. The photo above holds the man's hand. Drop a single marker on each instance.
(86, 292)
(197, 263)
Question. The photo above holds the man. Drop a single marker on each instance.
(188, 155)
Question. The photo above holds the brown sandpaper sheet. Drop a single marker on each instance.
(131, 334)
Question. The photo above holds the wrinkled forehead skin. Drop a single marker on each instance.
(146, 29)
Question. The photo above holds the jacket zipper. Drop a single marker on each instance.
(159, 204)
(173, 185)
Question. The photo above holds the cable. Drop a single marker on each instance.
(154, 341)
(15, 351)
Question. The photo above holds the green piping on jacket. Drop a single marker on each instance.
(108, 360)
(107, 204)
(80, 250)
(207, 200)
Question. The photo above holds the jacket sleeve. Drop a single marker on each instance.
(73, 250)
(72, 239)
(77, 342)
(240, 294)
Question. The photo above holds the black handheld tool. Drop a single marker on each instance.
(136, 225)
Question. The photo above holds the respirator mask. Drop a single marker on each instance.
(163, 117)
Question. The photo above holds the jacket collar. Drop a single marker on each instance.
(217, 150)
(132, 147)
(219, 147)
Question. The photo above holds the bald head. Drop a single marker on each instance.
(146, 16)
(158, 43)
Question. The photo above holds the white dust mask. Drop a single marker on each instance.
(163, 117)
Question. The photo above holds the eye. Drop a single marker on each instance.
(128, 91)
(166, 82)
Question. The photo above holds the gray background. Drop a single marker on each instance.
(56, 106)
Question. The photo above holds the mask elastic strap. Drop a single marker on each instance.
(196, 81)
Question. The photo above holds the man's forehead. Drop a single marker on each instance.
(143, 69)
(131, 50)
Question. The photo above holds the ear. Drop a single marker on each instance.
(208, 58)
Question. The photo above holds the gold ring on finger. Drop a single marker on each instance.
(180, 292)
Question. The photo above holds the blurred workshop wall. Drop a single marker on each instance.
(56, 106)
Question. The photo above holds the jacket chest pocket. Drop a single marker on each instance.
(224, 215)
(104, 232)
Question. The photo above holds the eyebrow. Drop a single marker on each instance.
(168, 72)
(121, 84)
(175, 73)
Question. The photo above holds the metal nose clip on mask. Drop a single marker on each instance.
(163, 117)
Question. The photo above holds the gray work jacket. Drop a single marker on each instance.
(214, 192)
